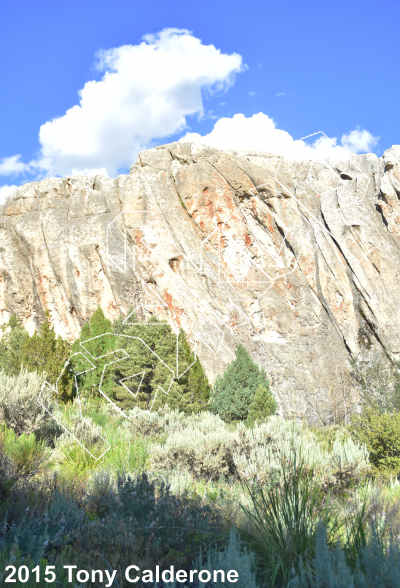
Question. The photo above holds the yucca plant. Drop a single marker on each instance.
(355, 537)
(283, 519)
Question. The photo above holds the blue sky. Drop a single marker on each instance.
(301, 67)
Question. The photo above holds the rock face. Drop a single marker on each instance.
(299, 261)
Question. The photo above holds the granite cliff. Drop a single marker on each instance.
(300, 261)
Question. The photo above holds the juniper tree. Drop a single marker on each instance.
(152, 349)
(234, 391)
(195, 379)
(46, 352)
(13, 335)
(96, 343)
(263, 405)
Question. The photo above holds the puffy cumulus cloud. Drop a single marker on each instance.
(145, 94)
(6, 191)
(13, 166)
(359, 141)
(259, 133)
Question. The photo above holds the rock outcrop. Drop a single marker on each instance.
(300, 261)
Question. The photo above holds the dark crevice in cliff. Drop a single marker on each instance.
(105, 272)
(372, 326)
(47, 247)
(336, 244)
(379, 209)
(328, 311)
(353, 283)
(284, 239)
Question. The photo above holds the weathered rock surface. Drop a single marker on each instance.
(300, 261)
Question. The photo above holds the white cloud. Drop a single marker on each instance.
(252, 94)
(259, 133)
(281, 93)
(359, 141)
(6, 191)
(145, 94)
(13, 166)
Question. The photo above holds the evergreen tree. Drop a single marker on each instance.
(152, 349)
(45, 352)
(262, 406)
(234, 391)
(95, 342)
(195, 379)
(13, 335)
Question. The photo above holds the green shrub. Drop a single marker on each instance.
(13, 557)
(262, 406)
(135, 519)
(26, 451)
(49, 521)
(233, 392)
(232, 557)
(19, 408)
(99, 433)
(205, 446)
(199, 445)
(329, 569)
(74, 456)
(380, 432)
(126, 453)
(378, 382)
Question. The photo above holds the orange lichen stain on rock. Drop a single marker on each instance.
(280, 285)
(138, 235)
(230, 204)
(175, 310)
(225, 196)
(234, 322)
(209, 206)
(270, 227)
(201, 225)
(112, 308)
(247, 240)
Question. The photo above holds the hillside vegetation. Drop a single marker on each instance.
(209, 478)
